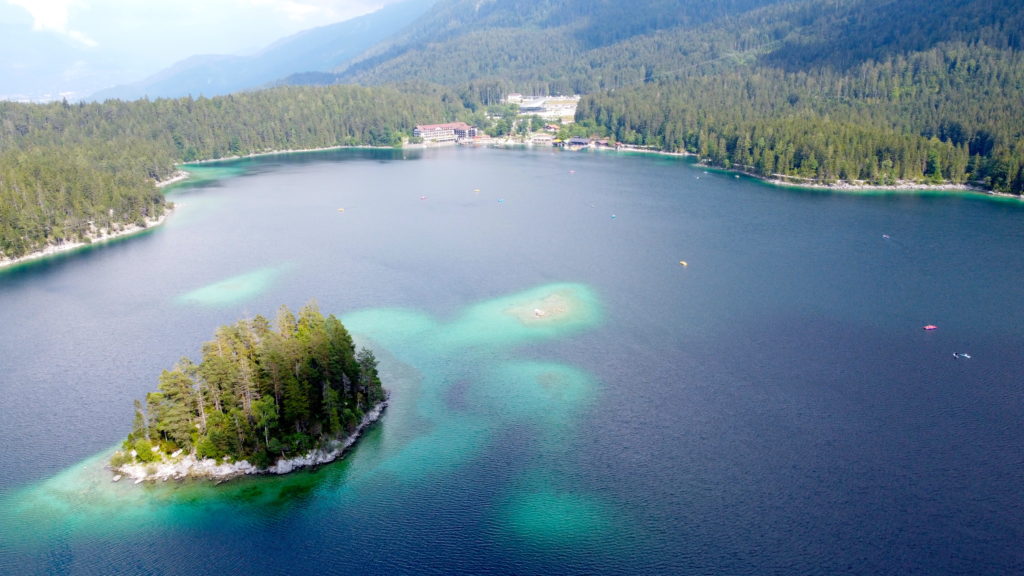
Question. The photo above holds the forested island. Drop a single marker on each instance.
(264, 399)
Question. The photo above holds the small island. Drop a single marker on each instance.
(264, 400)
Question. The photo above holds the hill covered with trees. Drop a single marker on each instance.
(261, 393)
(951, 114)
(868, 91)
(68, 169)
(872, 91)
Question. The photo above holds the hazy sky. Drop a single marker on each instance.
(177, 28)
(121, 40)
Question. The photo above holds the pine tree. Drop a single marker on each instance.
(260, 392)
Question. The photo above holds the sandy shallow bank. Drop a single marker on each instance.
(286, 151)
(551, 308)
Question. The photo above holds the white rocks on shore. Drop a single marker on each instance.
(178, 176)
(95, 238)
(181, 467)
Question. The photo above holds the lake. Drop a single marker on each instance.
(771, 406)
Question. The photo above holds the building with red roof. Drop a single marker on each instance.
(450, 132)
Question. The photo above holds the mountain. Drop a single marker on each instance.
(585, 46)
(542, 43)
(876, 92)
(317, 49)
(811, 91)
(844, 35)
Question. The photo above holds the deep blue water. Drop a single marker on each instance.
(773, 407)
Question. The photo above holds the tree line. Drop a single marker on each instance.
(867, 90)
(260, 393)
(68, 170)
(951, 114)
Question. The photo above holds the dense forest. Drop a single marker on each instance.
(260, 393)
(53, 194)
(813, 91)
(951, 114)
(69, 169)
(817, 91)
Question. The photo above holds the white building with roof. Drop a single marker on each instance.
(450, 132)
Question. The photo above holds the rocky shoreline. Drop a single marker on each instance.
(181, 467)
(283, 151)
(94, 238)
(854, 186)
(178, 176)
(101, 235)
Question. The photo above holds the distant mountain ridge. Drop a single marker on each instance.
(521, 42)
(816, 91)
(585, 46)
(316, 49)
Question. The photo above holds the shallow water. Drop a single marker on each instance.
(774, 406)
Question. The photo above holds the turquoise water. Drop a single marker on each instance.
(82, 501)
(566, 398)
(232, 290)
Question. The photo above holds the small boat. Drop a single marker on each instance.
(115, 478)
(683, 263)
(886, 236)
(961, 355)
(931, 327)
(538, 312)
(341, 209)
(423, 197)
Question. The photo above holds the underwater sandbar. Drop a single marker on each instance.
(553, 307)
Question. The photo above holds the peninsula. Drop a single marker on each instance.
(265, 399)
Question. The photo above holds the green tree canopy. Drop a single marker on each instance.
(261, 392)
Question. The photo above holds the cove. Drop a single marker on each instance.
(567, 398)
